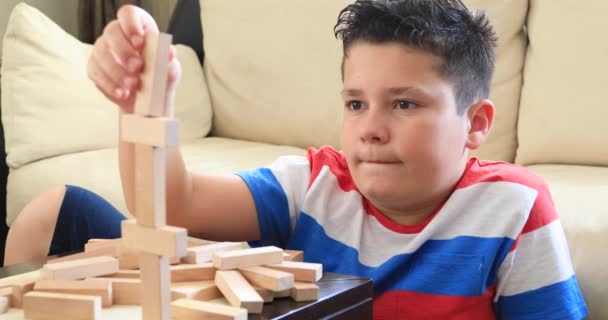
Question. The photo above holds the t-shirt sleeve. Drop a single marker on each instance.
(278, 192)
(536, 279)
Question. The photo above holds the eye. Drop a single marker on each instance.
(354, 105)
(405, 105)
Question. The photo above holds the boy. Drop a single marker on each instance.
(442, 235)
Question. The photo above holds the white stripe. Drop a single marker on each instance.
(492, 209)
(293, 173)
(540, 259)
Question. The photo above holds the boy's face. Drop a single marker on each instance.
(402, 137)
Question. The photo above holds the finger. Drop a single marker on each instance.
(173, 76)
(172, 52)
(135, 22)
(126, 105)
(104, 83)
(119, 46)
(109, 65)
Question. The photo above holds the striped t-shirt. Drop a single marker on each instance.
(494, 249)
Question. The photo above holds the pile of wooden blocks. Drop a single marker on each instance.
(137, 269)
(201, 282)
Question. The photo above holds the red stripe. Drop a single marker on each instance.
(395, 305)
(328, 156)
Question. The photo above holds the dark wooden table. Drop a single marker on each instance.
(340, 297)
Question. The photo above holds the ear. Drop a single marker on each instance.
(480, 117)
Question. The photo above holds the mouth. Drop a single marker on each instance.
(380, 162)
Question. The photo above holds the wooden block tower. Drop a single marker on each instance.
(152, 130)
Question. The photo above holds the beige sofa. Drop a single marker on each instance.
(270, 86)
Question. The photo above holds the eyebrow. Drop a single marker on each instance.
(393, 90)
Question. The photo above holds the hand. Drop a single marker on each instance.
(116, 62)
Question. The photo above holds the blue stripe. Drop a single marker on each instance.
(271, 205)
(463, 266)
(562, 300)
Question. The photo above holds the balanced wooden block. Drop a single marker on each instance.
(302, 271)
(195, 290)
(164, 241)
(267, 278)
(80, 269)
(184, 309)
(238, 291)
(52, 306)
(5, 304)
(150, 185)
(17, 286)
(82, 287)
(155, 132)
(192, 272)
(234, 259)
(293, 255)
(204, 253)
(155, 276)
(150, 99)
(304, 291)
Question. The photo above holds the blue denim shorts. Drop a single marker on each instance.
(83, 215)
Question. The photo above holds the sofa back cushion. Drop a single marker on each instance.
(273, 69)
(50, 107)
(563, 110)
(508, 19)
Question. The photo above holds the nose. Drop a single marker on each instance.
(374, 127)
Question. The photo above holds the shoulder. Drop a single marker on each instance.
(327, 161)
(542, 209)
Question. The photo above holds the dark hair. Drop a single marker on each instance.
(463, 40)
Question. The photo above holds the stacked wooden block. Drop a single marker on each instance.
(223, 280)
(151, 265)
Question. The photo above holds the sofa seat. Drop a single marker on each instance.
(211, 155)
(580, 194)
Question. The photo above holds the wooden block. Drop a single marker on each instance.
(127, 274)
(17, 286)
(82, 287)
(128, 259)
(238, 291)
(150, 99)
(304, 291)
(156, 285)
(302, 271)
(282, 294)
(267, 295)
(155, 132)
(204, 253)
(196, 290)
(184, 309)
(50, 305)
(267, 278)
(5, 304)
(234, 259)
(164, 241)
(293, 255)
(93, 244)
(97, 252)
(150, 186)
(80, 269)
(124, 291)
(192, 272)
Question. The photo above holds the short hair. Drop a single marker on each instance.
(464, 40)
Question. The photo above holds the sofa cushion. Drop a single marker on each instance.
(507, 18)
(563, 110)
(273, 69)
(97, 170)
(580, 195)
(50, 107)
